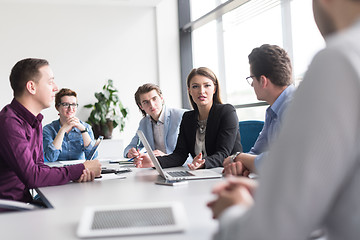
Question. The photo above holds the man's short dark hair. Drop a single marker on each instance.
(147, 87)
(25, 70)
(273, 62)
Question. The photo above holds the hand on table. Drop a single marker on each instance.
(86, 176)
(92, 170)
(233, 191)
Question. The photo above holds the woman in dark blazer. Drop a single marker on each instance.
(210, 132)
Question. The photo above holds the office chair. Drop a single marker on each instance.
(16, 206)
(249, 132)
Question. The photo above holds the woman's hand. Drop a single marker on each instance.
(143, 161)
(75, 122)
(72, 122)
(197, 163)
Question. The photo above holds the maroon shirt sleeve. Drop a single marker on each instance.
(22, 162)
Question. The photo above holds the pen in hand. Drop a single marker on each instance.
(132, 159)
(138, 144)
(137, 149)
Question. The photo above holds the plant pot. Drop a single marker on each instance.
(103, 130)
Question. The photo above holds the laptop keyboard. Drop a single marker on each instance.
(129, 218)
(180, 174)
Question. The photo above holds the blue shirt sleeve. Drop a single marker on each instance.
(87, 149)
(259, 159)
(50, 152)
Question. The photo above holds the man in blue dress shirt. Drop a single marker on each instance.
(271, 78)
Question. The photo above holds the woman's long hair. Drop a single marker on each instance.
(206, 72)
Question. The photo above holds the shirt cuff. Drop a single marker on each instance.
(258, 160)
(51, 153)
(230, 214)
(75, 171)
(53, 148)
(90, 146)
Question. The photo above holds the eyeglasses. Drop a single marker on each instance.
(69, 105)
(250, 79)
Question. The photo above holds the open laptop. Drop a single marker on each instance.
(176, 175)
(134, 219)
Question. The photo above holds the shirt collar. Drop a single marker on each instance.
(34, 121)
(280, 100)
(161, 117)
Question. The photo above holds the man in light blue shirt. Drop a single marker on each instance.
(271, 78)
(160, 124)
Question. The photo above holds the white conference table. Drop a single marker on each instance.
(69, 201)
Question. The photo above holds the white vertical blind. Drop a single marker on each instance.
(252, 9)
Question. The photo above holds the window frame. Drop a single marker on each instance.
(186, 26)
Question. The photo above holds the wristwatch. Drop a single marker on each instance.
(84, 131)
(234, 156)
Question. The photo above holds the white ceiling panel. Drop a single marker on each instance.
(139, 3)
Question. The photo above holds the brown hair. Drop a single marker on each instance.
(147, 87)
(273, 62)
(63, 92)
(206, 72)
(23, 71)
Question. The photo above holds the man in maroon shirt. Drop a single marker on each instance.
(21, 148)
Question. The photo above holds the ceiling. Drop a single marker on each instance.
(139, 3)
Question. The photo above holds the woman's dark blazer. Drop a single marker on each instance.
(222, 137)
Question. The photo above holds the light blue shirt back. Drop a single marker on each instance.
(273, 121)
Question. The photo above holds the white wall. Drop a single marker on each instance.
(87, 44)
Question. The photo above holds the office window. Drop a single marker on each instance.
(224, 43)
(241, 35)
(199, 8)
(307, 40)
(205, 47)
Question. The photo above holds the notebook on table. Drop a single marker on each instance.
(176, 175)
(135, 219)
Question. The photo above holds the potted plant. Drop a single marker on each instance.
(108, 112)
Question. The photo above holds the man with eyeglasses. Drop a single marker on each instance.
(271, 78)
(21, 151)
(67, 138)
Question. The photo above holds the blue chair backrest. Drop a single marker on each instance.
(249, 132)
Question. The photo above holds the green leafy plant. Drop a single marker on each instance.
(108, 112)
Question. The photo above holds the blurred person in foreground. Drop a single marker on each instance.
(311, 178)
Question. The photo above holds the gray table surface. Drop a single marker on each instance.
(69, 200)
